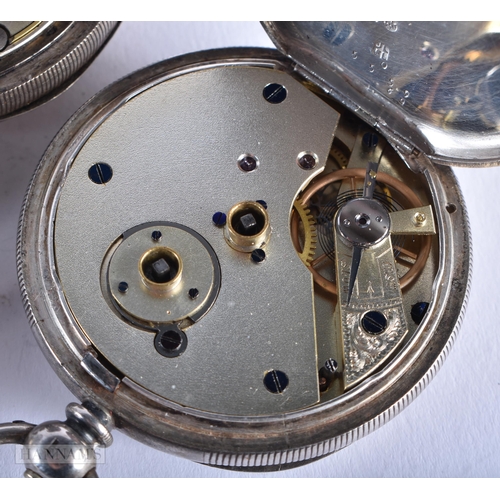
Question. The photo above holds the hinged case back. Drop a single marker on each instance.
(429, 86)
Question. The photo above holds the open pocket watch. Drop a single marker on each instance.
(252, 258)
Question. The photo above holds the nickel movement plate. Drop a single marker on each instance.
(236, 266)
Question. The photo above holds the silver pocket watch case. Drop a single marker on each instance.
(252, 258)
(40, 59)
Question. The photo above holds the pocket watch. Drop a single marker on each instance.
(39, 59)
(251, 257)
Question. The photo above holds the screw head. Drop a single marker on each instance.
(156, 236)
(419, 219)
(374, 322)
(331, 365)
(370, 140)
(219, 219)
(247, 163)
(123, 287)
(193, 293)
(418, 311)
(258, 256)
(307, 161)
(276, 381)
(100, 173)
(274, 93)
(171, 343)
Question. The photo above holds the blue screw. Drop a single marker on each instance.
(418, 311)
(370, 140)
(100, 173)
(258, 256)
(219, 219)
(156, 235)
(274, 93)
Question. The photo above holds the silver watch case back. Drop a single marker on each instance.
(244, 270)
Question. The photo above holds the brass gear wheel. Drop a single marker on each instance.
(339, 157)
(340, 175)
(310, 235)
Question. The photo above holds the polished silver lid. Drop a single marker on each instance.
(433, 86)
